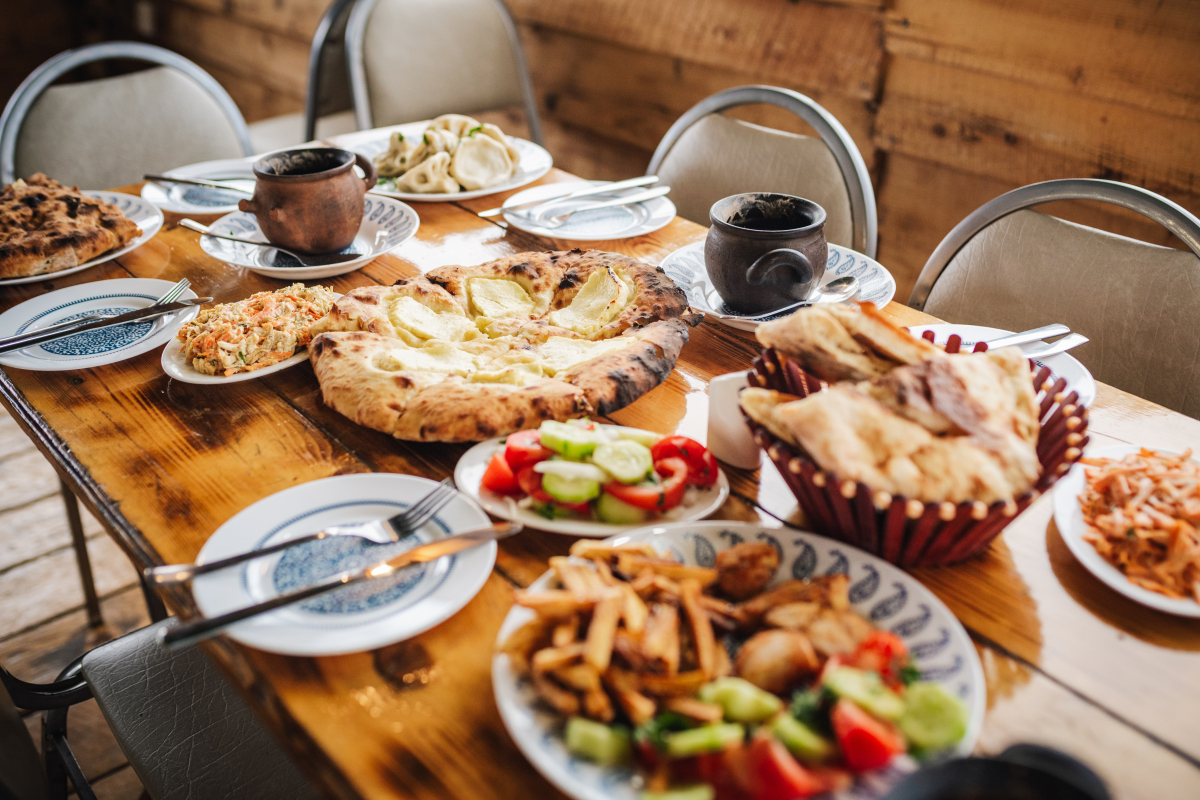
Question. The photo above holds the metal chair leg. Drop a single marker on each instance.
(154, 603)
(61, 764)
(79, 543)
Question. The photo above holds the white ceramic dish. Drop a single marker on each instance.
(621, 222)
(1068, 516)
(1062, 365)
(386, 225)
(183, 199)
(685, 266)
(144, 213)
(98, 347)
(888, 596)
(535, 162)
(360, 617)
(468, 475)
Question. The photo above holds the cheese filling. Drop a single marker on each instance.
(499, 298)
(407, 315)
(441, 357)
(558, 353)
(599, 302)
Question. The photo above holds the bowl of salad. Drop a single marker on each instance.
(586, 479)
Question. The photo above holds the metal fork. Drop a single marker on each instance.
(382, 531)
(558, 220)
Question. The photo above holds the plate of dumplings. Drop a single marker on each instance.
(453, 157)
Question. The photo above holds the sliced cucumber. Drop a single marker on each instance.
(933, 718)
(627, 460)
(740, 699)
(572, 441)
(597, 742)
(572, 469)
(617, 512)
(865, 689)
(705, 739)
(645, 438)
(699, 791)
(799, 739)
(570, 490)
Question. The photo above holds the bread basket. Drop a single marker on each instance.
(908, 532)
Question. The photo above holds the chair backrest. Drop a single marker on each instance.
(705, 157)
(21, 773)
(1009, 267)
(415, 59)
(108, 132)
(329, 89)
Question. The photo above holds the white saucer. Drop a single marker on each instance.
(183, 199)
(621, 222)
(145, 214)
(98, 347)
(386, 225)
(360, 617)
(685, 266)
(177, 367)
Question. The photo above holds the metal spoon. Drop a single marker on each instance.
(1054, 348)
(197, 182)
(307, 261)
(835, 291)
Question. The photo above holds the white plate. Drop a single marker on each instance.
(685, 266)
(1068, 516)
(386, 225)
(1062, 365)
(96, 347)
(889, 597)
(183, 199)
(145, 214)
(468, 477)
(621, 222)
(535, 162)
(360, 617)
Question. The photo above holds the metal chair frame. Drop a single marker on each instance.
(356, 31)
(864, 220)
(41, 78)
(327, 62)
(55, 699)
(1171, 216)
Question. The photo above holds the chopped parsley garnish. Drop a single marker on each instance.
(656, 729)
(474, 130)
(909, 674)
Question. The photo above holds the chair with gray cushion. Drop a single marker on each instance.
(109, 132)
(411, 60)
(1007, 266)
(186, 732)
(706, 156)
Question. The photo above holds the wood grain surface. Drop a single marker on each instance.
(163, 464)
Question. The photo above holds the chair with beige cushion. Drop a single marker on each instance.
(416, 59)
(1006, 266)
(109, 132)
(706, 156)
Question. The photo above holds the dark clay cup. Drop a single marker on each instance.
(309, 200)
(765, 251)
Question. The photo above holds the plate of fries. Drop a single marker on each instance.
(614, 633)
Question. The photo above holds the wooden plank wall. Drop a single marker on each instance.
(952, 102)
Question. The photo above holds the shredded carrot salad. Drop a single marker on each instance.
(1143, 511)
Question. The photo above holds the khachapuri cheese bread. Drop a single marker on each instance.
(467, 353)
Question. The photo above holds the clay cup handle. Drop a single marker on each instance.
(249, 206)
(797, 262)
(370, 175)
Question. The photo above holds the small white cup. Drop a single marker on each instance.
(729, 436)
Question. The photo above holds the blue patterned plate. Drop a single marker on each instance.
(360, 617)
(886, 595)
(96, 347)
(183, 199)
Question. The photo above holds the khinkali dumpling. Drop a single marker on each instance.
(398, 158)
(480, 162)
(488, 129)
(458, 124)
(429, 177)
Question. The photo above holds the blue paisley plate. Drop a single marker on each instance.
(386, 225)
(362, 616)
(887, 596)
(183, 199)
(97, 347)
(145, 214)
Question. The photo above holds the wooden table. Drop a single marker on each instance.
(163, 464)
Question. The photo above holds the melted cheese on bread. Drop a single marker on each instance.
(600, 300)
(499, 298)
(420, 322)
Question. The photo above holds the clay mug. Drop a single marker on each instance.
(309, 199)
(765, 251)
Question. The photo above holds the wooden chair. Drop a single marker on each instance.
(411, 60)
(706, 156)
(1007, 266)
(108, 132)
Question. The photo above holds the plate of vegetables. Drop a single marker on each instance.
(586, 479)
(730, 661)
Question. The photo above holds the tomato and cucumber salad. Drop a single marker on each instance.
(616, 475)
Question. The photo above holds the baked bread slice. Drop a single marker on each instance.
(47, 227)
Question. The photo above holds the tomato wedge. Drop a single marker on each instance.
(702, 465)
(866, 742)
(530, 482)
(668, 493)
(772, 774)
(883, 652)
(499, 476)
(523, 448)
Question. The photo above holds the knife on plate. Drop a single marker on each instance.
(644, 180)
(150, 312)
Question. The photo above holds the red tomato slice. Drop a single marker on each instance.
(866, 742)
(702, 465)
(530, 482)
(883, 652)
(655, 496)
(772, 774)
(523, 448)
(499, 476)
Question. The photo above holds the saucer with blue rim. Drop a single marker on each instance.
(181, 198)
(598, 225)
(362, 616)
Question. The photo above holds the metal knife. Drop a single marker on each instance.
(644, 180)
(202, 629)
(150, 312)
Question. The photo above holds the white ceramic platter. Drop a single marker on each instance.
(884, 594)
(468, 476)
(98, 347)
(144, 213)
(183, 199)
(358, 617)
(685, 266)
(386, 225)
(535, 162)
(1068, 516)
(1062, 365)
(620, 222)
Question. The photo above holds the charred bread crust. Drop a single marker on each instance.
(614, 380)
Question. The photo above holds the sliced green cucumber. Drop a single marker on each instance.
(570, 490)
(705, 739)
(645, 438)
(865, 689)
(597, 742)
(617, 512)
(740, 699)
(698, 791)
(627, 460)
(799, 739)
(572, 441)
(933, 718)
(572, 469)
